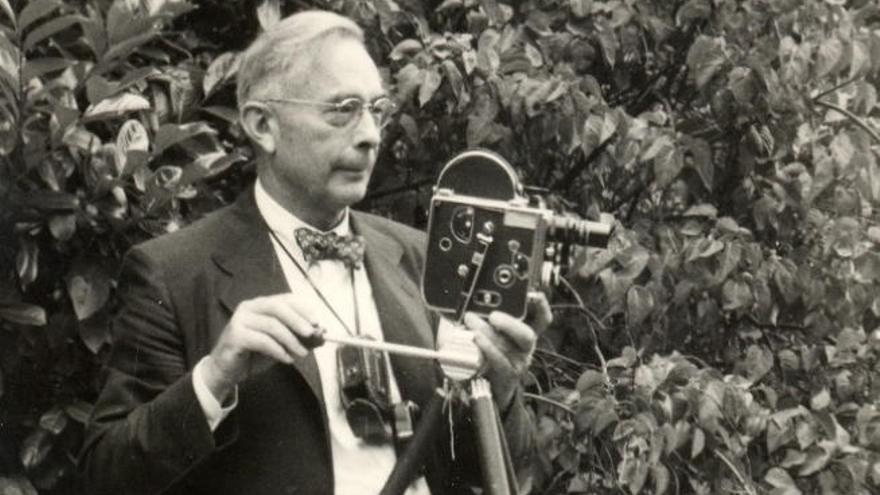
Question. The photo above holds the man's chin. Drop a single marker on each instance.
(349, 194)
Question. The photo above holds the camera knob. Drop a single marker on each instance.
(549, 275)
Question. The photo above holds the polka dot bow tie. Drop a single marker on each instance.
(318, 246)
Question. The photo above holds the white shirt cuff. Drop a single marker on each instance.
(214, 412)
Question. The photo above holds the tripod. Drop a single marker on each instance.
(460, 361)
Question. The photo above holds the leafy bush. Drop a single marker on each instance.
(727, 341)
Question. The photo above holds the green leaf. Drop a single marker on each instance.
(661, 476)
(23, 314)
(405, 49)
(7, 9)
(35, 10)
(171, 134)
(120, 16)
(40, 66)
(430, 84)
(63, 227)
(784, 277)
(842, 150)
(667, 166)
(269, 13)
(701, 161)
(230, 115)
(828, 56)
(126, 47)
(222, 69)
(817, 458)
(88, 286)
(116, 106)
(779, 478)
(701, 210)
(639, 305)
(46, 200)
(590, 382)
(632, 472)
(9, 63)
(789, 360)
(628, 357)
(481, 118)
(35, 448)
(793, 458)
(698, 442)
(860, 59)
(805, 434)
(48, 29)
(493, 12)
(54, 421)
(409, 79)
(132, 137)
(705, 58)
(735, 295)
(758, 362)
(214, 164)
(79, 411)
(93, 32)
(609, 43)
(456, 82)
(693, 10)
(729, 260)
(867, 267)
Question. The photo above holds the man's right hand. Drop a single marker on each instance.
(267, 325)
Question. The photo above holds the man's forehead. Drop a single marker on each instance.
(340, 68)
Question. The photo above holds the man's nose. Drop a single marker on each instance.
(368, 134)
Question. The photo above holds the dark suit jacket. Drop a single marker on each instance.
(148, 433)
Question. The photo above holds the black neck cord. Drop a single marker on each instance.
(357, 319)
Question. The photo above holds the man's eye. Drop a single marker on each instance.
(348, 106)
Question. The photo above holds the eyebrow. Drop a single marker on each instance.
(344, 96)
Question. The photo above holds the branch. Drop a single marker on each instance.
(770, 326)
(748, 487)
(576, 170)
(851, 116)
(557, 404)
(836, 87)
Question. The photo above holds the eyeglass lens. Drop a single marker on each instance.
(350, 109)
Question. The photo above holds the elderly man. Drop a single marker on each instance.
(211, 388)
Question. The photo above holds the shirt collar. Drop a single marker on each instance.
(284, 223)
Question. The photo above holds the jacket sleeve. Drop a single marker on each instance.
(147, 427)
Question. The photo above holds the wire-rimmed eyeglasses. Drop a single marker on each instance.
(348, 111)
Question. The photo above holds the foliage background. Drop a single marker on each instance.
(729, 338)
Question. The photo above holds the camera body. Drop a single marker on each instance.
(489, 244)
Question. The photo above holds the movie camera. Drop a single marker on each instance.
(489, 244)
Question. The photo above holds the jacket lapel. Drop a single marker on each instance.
(253, 270)
(401, 311)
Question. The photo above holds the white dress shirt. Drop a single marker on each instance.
(358, 468)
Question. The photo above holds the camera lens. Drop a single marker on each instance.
(462, 224)
(576, 231)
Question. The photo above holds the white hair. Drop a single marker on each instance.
(268, 60)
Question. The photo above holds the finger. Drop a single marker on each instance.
(262, 343)
(522, 335)
(477, 324)
(288, 311)
(473, 321)
(496, 359)
(540, 315)
(279, 332)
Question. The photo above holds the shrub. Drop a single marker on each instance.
(727, 340)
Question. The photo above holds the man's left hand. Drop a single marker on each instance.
(508, 343)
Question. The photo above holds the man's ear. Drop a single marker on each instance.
(260, 124)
